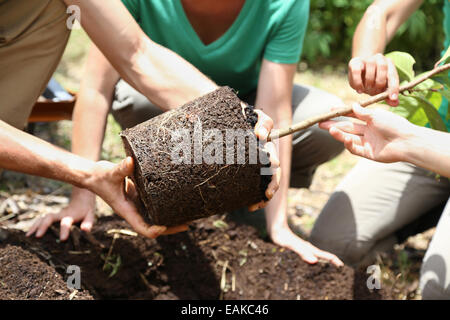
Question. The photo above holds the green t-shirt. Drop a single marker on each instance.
(270, 29)
(443, 110)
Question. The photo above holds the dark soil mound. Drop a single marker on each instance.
(24, 275)
(214, 260)
(198, 160)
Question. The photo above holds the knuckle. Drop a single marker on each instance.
(382, 65)
(371, 60)
(381, 83)
(355, 68)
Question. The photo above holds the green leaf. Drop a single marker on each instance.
(409, 108)
(431, 112)
(445, 58)
(116, 266)
(435, 98)
(444, 80)
(404, 63)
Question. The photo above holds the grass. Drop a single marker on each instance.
(398, 269)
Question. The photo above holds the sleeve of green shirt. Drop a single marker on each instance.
(133, 8)
(286, 44)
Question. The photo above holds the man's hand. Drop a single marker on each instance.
(286, 238)
(81, 208)
(109, 181)
(262, 130)
(380, 138)
(373, 76)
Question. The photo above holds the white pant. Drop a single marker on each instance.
(378, 205)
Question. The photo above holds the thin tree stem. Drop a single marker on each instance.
(276, 134)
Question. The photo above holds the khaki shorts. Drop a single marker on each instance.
(33, 35)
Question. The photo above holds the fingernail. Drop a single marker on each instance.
(394, 96)
(160, 229)
(86, 226)
(312, 260)
(263, 132)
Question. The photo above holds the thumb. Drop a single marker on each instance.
(130, 190)
(125, 167)
(362, 113)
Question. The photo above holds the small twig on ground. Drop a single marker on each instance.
(223, 280)
(75, 236)
(125, 232)
(9, 216)
(73, 294)
(91, 239)
(116, 236)
(149, 286)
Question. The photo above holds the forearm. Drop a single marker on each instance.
(160, 74)
(379, 25)
(22, 152)
(371, 34)
(275, 99)
(277, 207)
(165, 78)
(429, 149)
(89, 123)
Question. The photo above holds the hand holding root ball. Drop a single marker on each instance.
(110, 182)
(262, 130)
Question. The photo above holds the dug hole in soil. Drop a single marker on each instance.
(215, 259)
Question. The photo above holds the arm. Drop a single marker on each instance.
(428, 149)
(22, 152)
(89, 122)
(369, 71)
(160, 74)
(387, 137)
(275, 98)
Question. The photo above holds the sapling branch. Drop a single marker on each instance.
(279, 133)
